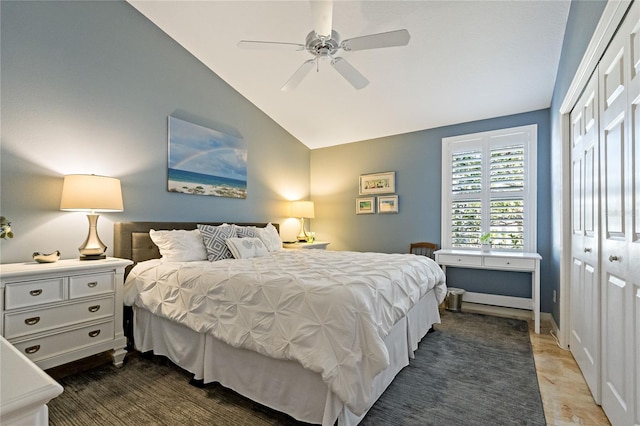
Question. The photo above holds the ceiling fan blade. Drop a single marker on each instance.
(375, 41)
(351, 74)
(322, 16)
(299, 75)
(269, 45)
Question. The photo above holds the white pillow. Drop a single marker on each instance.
(245, 248)
(246, 231)
(214, 238)
(179, 245)
(270, 237)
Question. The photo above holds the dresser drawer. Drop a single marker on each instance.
(44, 347)
(89, 285)
(459, 260)
(23, 323)
(509, 263)
(31, 293)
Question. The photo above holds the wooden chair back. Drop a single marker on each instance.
(424, 249)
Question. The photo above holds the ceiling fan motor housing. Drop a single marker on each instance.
(318, 46)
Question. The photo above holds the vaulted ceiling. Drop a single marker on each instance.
(465, 61)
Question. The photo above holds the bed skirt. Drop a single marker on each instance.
(279, 384)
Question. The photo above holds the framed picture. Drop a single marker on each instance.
(366, 205)
(204, 161)
(388, 204)
(378, 183)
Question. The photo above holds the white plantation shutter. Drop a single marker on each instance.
(506, 211)
(489, 186)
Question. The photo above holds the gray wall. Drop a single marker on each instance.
(86, 88)
(582, 21)
(416, 159)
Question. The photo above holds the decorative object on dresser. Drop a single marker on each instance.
(378, 183)
(303, 210)
(485, 242)
(94, 194)
(24, 390)
(59, 312)
(46, 258)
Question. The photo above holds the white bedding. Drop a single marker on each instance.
(327, 310)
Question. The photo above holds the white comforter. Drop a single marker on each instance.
(328, 310)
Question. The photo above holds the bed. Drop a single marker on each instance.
(316, 334)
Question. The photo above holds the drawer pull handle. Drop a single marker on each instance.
(508, 263)
(32, 349)
(94, 333)
(92, 284)
(587, 249)
(37, 292)
(94, 308)
(32, 321)
(613, 258)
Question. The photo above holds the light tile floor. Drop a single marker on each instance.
(565, 395)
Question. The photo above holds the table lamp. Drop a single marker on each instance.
(302, 209)
(93, 194)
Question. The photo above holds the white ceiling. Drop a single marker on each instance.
(466, 60)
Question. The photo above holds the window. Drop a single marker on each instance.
(489, 186)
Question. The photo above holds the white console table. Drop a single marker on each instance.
(500, 261)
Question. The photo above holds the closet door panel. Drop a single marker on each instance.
(633, 202)
(619, 121)
(584, 337)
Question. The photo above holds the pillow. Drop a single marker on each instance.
(179, 245)
(214, 238)
(246, 231)
(245, 248)
(270, 238)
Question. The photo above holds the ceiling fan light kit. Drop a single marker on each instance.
(324, 42)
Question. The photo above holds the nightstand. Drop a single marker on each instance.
(314, 245)
(55, 313)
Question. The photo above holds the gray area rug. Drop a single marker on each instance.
(473, 370)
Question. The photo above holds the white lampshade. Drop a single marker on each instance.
(302, 209)
(91, 193)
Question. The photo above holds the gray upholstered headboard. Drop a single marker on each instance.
(131, 240)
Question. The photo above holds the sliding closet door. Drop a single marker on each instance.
(619, 321)
(585, 289)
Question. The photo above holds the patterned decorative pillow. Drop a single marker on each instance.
(245, 248)
(270, 237)
(246, 231)
(179, 245)
(214, 238)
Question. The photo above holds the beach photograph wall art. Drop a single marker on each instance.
(204, 161)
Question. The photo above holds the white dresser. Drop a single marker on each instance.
(25, 389)
(59, 312)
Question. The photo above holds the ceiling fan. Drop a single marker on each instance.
(323, 43)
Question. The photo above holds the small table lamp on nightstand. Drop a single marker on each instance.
(93, 194)
(302, 209)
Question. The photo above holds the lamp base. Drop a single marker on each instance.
(93, 256)
(92, 248)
